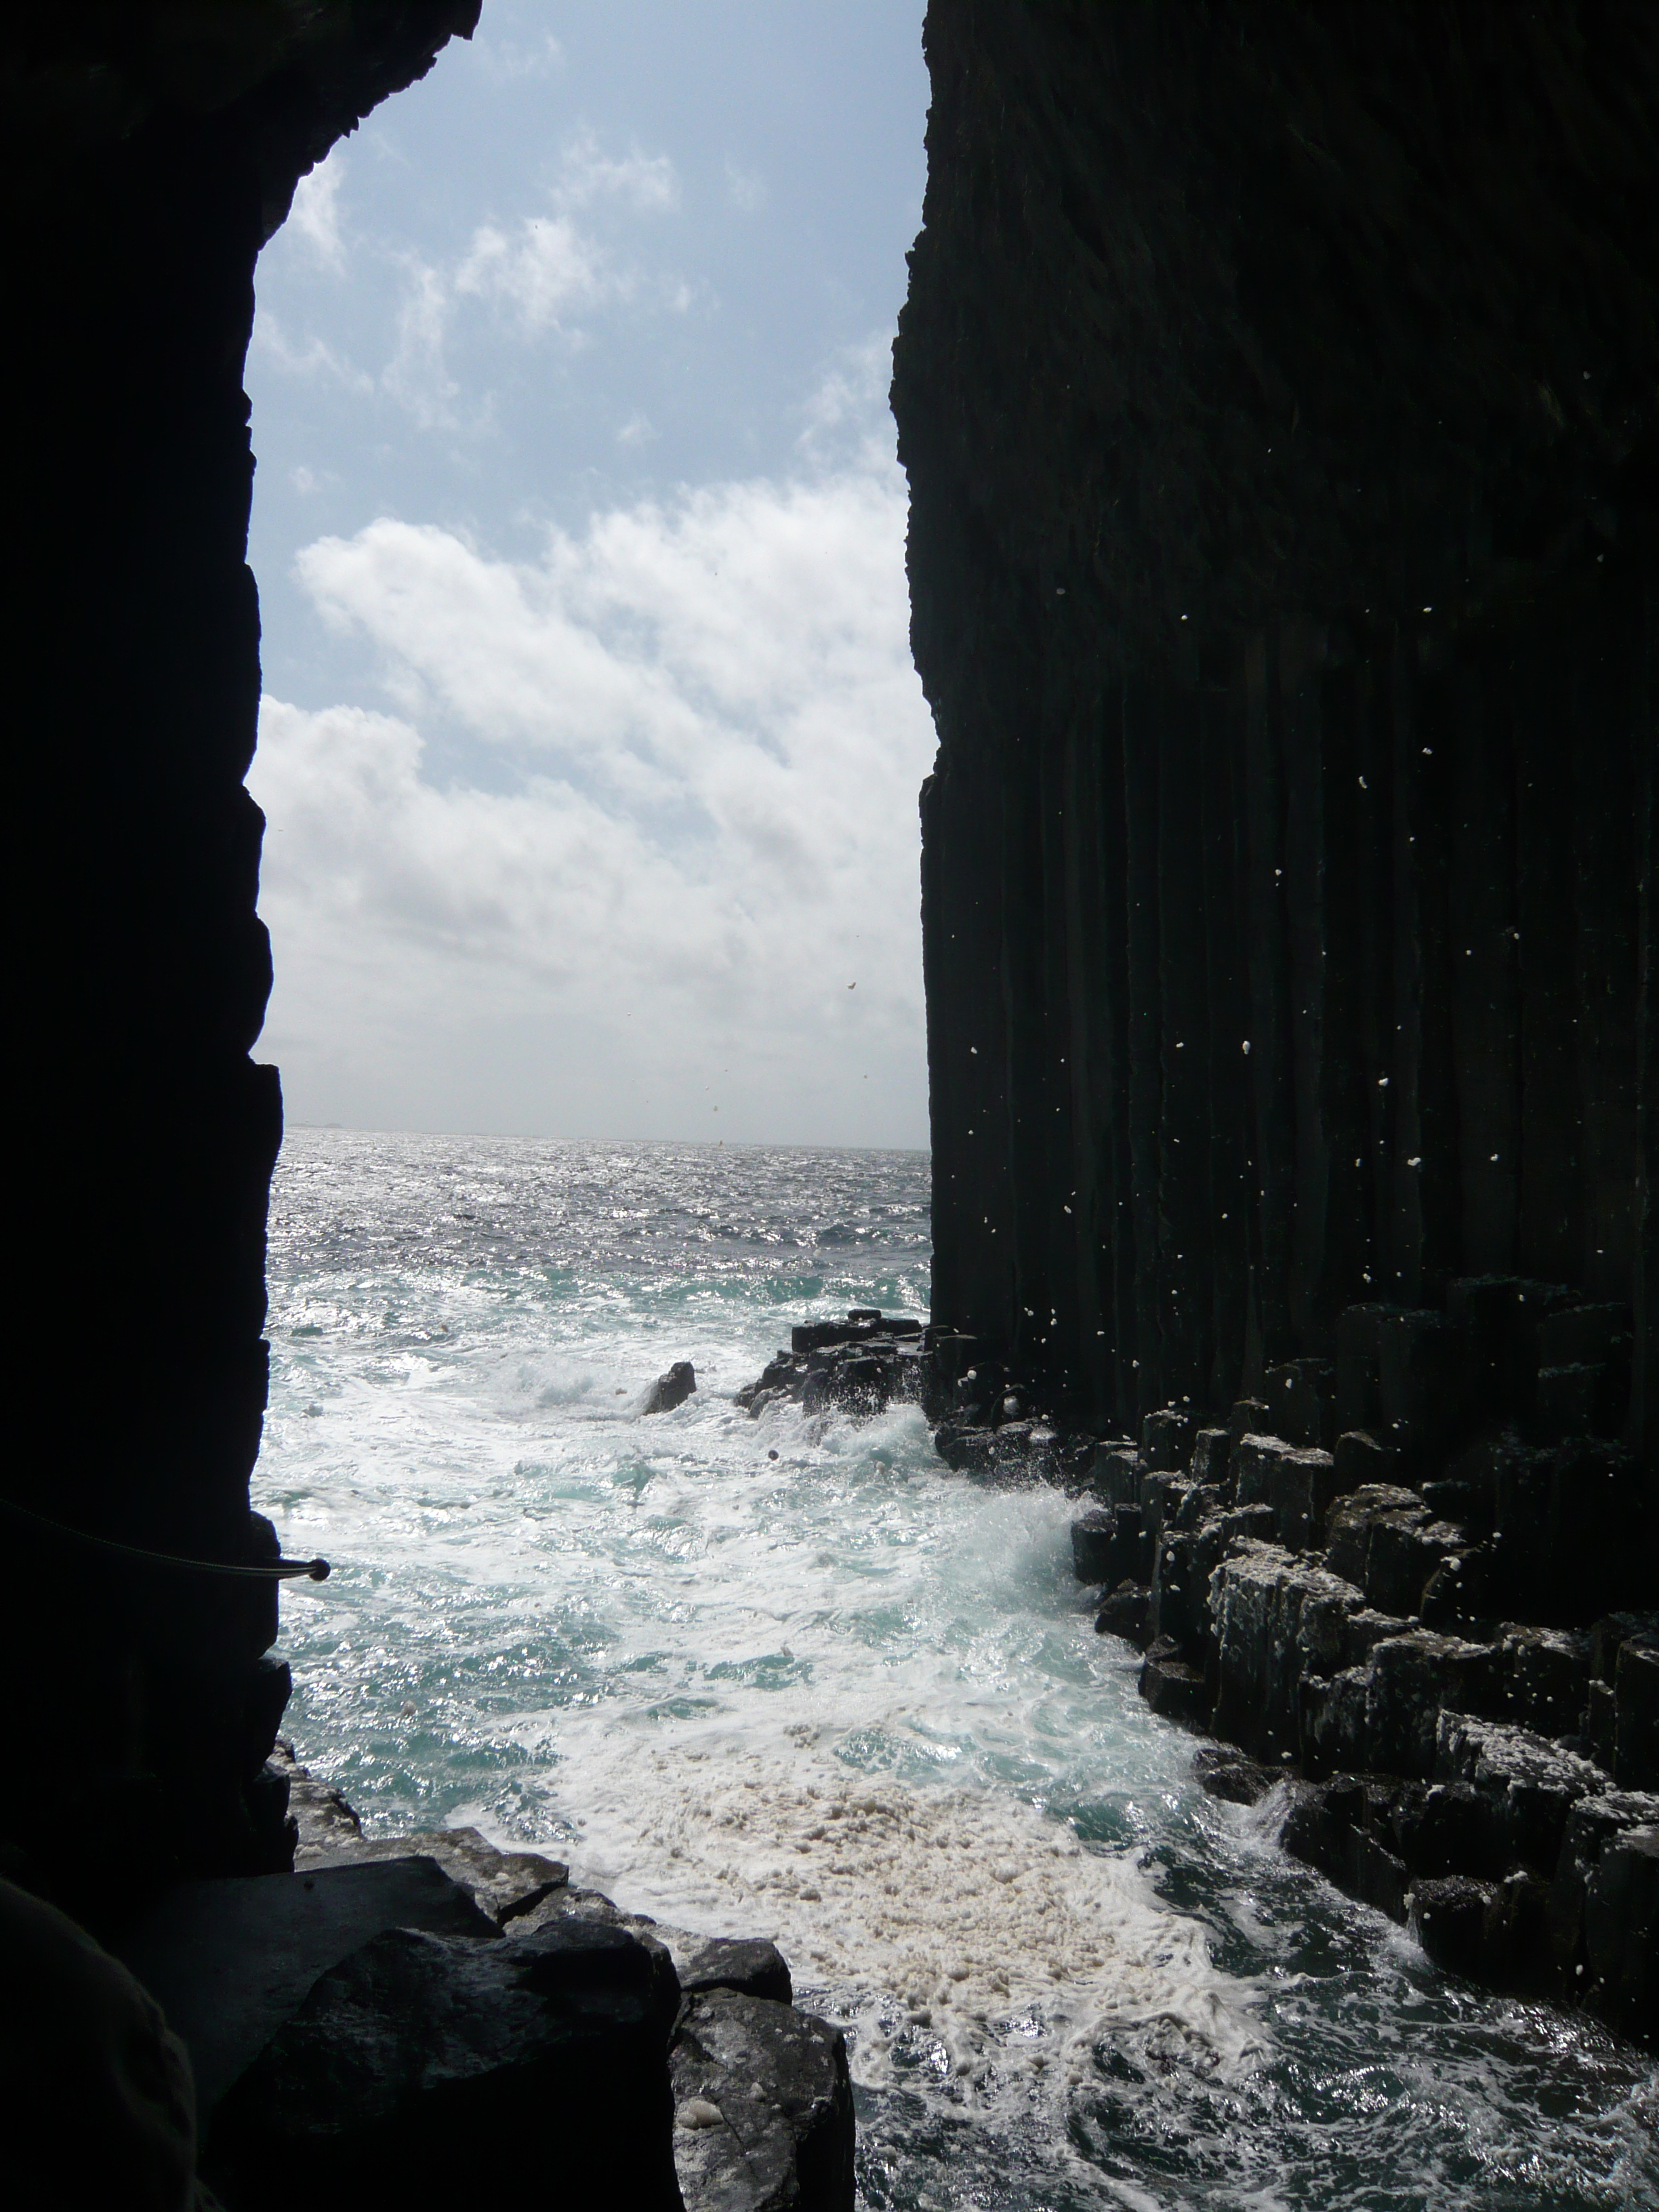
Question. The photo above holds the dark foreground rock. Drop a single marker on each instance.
(671, 1390)
(229, 1961)
(431, 2071)
(366, 2012)
(763, 2108)
(750, 1965)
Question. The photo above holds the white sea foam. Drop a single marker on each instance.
(964, 1912)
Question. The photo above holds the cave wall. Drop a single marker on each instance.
(151, 151)
(1277, 390)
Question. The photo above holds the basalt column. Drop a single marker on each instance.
(1277, 387)
(151, 151)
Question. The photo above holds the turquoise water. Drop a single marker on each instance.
(837, 1696)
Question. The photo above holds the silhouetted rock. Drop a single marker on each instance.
(432, 2071)
(1236, 1781)
(230, 1960)
(149, 155)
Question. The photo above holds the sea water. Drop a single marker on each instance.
(790, 1677)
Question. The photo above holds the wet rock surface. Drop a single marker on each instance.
(763, 2107)
(1485, 1777)
(431, 2016)
(671, 1390)
(860, 1366)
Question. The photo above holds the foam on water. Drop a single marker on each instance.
(837, 1695)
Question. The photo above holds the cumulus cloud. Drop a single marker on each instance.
(686, 825)
(537, 276)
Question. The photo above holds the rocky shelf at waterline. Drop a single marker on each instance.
(431, 2016)
(860, 1365)
(1412, 1586)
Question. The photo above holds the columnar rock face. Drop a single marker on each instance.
(1277, 390)
(151, 151)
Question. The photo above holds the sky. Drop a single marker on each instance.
(590, 742)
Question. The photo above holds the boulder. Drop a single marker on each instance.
(752, 1966)
(1236, 1781)
(230, 1960)
(671, 1390)
(783, 1374)
(862, 1382)
(763, 2107)
(427, 2071)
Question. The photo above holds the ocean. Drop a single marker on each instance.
(790, 1677)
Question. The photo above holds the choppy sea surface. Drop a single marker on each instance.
(790, 1677)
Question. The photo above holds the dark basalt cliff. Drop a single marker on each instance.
(1277, 387)
(150, 151)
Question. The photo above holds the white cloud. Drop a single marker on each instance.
(637, 430)
(314, 216)
(744, 188)
(645, 182)
(544, 268)
(689, 826)
(418, 375)
(850, 400)
(315, 358)
(504, 60)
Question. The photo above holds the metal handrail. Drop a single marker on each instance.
(279, 1570)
